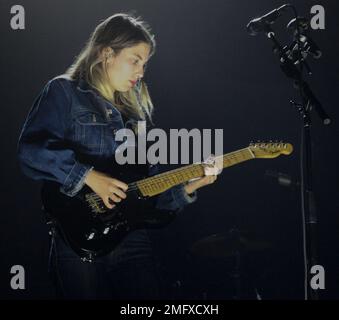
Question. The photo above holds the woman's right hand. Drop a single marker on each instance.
(107, 188)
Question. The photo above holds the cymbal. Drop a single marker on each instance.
(226, 245)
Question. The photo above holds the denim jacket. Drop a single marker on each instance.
(69, 130)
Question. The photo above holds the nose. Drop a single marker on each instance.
(140, 73)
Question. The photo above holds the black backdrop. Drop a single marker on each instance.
(207, 73)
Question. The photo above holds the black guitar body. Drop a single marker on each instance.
(91, 234)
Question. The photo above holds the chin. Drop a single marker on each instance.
(127, 89)
(123, 89)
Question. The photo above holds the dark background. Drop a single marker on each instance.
(207, 73)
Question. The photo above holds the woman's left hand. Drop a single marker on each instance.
(201, 182)
(212, 168)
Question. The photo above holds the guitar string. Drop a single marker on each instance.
(176, 172)
(162, 177)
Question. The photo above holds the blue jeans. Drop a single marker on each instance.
(128, 272)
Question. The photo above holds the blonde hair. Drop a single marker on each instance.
(118, 31)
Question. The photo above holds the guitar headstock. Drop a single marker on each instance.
(270, 150)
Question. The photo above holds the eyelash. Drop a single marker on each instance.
(135, 62)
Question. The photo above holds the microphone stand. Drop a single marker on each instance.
(308, 202)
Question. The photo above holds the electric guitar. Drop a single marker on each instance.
(91, 229)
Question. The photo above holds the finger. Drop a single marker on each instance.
(208, 165)
(210, 159)
(120, 184)
(114, 198)
(206, 180)
(210, 171)
(219, 164)
(108, 204)
(211, 179)
(117, 191)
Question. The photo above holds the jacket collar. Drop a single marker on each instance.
(84, 86)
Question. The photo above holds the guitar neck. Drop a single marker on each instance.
(161, 182)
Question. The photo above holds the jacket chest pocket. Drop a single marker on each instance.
(90, 129)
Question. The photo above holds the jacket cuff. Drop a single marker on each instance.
(75, 179)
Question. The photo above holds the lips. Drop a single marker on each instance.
(133, 82)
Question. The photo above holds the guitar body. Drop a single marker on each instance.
(91, 234)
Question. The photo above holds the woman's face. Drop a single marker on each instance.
(127, 66)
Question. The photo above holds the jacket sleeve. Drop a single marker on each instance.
(43, 151)
(175, 198)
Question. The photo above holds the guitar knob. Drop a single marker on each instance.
(90, 236)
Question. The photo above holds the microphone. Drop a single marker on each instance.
(308, 44)
(311, 47)
(257, 25)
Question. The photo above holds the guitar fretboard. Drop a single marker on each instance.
(161, 182)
